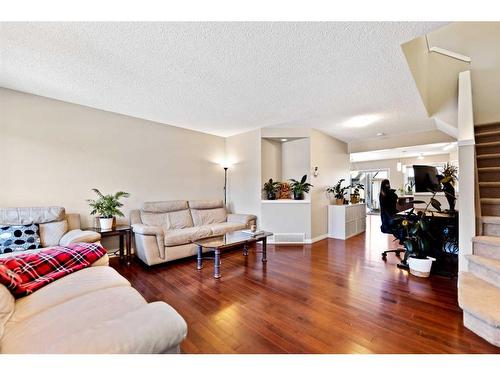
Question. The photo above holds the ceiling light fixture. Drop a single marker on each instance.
(284, 139)
(361, 121)
(380, 134)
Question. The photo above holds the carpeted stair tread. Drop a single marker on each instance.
(488, 144)
(488, 240)
(489, 169)
(479, 298)
(488, 156)
(490, 201)
(490, 219)
(488, 133)
(491, 264)
(489, 184)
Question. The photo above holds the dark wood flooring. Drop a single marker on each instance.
(330, 297)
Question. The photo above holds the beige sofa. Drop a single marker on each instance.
(94, 310)
(165, 230)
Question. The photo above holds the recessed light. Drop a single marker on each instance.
(421, 156)
(284, 139)
(380, 134)
(361, 121)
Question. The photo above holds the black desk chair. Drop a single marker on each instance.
(392, 225)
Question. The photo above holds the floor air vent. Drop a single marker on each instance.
(288, 238)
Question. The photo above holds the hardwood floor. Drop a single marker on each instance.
(330, 297)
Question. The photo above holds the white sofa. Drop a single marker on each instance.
(165, 230)
(94, 310)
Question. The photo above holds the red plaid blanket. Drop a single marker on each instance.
(25, 273)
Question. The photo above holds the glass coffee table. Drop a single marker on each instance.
(227, 241)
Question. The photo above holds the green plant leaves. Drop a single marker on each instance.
(436, 204)
(107, 206)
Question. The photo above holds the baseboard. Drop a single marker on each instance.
(318, 238)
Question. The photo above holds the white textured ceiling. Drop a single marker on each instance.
(224, 78)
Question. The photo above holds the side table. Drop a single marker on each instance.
(125, 236)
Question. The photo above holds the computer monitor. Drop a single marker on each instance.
(426, 178)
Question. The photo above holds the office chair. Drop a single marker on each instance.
(391, 225)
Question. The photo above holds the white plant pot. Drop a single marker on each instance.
(106, 223)
(420, 267)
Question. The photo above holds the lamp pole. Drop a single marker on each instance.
(225, 186)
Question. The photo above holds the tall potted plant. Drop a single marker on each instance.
(418, 241)
(107, 207)
(300, 187)
(271, 188)
(448, 179)
(338, 191)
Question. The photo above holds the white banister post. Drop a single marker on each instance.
(466, 162)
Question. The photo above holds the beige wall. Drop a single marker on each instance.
(296, 159)
(331, 157)
(271, 160)
(244, 181)
(53, 153)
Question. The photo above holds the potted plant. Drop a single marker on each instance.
(338, 191)
(418, 240)
(300, 187)
(448, 179)
(107, 207)
(409, 187)
(355, 193)
(271, 188)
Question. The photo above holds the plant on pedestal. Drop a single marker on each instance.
(107, 207)
(271, 188)
(338, 191)
(300, 187)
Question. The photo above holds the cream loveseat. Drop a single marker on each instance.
(56, 226)
(165, 230)
(94, 310)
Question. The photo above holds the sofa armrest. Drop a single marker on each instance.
(153, 328)
(246, 219)
(78, 235)
(150, 230)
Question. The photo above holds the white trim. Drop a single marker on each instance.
(466, 142)
(451, 54)
(286, 201)
(318, 238)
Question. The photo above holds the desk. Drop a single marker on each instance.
(444, 230)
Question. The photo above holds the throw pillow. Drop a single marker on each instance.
(51, 233)
(19, 238)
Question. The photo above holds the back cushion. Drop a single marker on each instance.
(209, 216)
(6, 307)
(19, 238)
(168, 220)
(51, 233)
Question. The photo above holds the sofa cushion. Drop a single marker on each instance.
(206, 204)
(168, 220)
(15, 238)
(209, 216)
(223, 228)
(71, 286)
(6, 307)
(165, 206)
(51, 233)
(184, 236)
(51, 327)
(78, 235)
(28, 215)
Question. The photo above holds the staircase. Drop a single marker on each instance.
(479, 288)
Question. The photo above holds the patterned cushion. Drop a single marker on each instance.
(51, 233)
(19, 238)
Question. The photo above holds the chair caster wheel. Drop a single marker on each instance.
(398, 253)
(384, 257)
